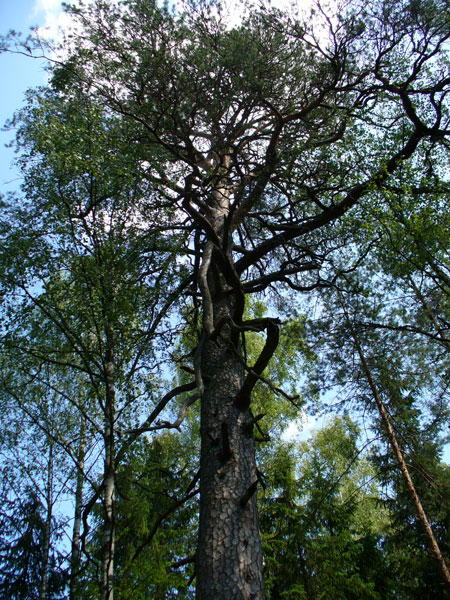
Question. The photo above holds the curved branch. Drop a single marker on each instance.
(273, 335)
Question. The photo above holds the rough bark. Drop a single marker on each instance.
(229, 554)
(229, 549)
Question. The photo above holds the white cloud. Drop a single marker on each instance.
(52, 18)
(301, 428)
(48, 5)
(47, 11)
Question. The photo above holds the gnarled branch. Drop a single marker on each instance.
(273, 335)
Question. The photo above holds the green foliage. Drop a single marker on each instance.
(22, 525)
(155, 520)
(321, 522)
(87, 278)
(388, 305)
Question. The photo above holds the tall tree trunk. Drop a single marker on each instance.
(107, 592)
(229, 555)
(229, 551)
(47, 527)
(423, 519)
(75, 553)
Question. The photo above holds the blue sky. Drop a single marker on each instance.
(19, 73)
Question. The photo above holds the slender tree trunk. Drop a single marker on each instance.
(109, 483)
(229, 556)
(423, 519)
(47, 528)
(108, 537)
(75, 554)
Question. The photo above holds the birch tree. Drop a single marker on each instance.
(82, 288)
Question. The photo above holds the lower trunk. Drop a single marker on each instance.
(229, 556)
(47, 528)
(108, 540)
(75, 553)
(109, 482)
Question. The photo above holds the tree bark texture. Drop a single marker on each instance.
(107, 592)
(229, 552)
(108, 540)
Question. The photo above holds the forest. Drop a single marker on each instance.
(233, 222)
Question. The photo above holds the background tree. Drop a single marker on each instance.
(24, 525)
(400, 395)
(82, 288)
(322, 520)
(32, 488)
(156, 517)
